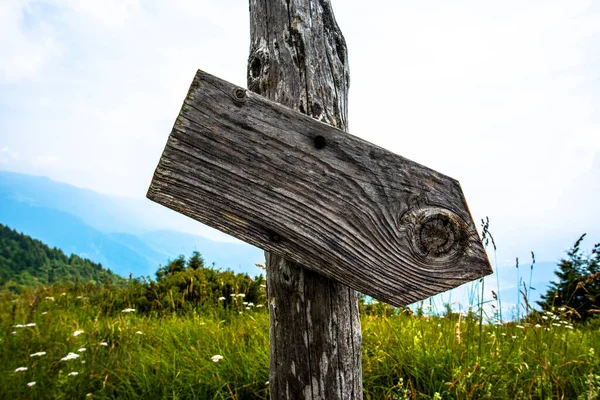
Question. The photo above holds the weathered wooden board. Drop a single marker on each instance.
(352, 211)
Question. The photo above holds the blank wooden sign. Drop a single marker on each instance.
(280, 180)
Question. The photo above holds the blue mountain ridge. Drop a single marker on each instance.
(106, 229)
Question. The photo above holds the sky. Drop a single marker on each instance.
(503, 96)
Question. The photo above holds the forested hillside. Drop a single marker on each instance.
(25, 261)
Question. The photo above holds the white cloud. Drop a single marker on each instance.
(106, 13)
(44, 161)
(24, 51)
(8, 157)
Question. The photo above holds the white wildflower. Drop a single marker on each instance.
(232, 295)
(50, 298)
(30, 384)
(514, 337)
(103, 344)
(128, 310)
(74, 373)
(569, 326)
(260, 305)
(221, 298)
(520, 327)
(45, 312)
(250, 304)
(242, 295)
(14, 332)
(77, 332)
(80, 297)
(81, 350)
(70, 356)
(538, 326)
(247, 308)
(30, 325)
(245, 303)
(544, 317)
(38, 354)
(18, 326)
(216, 358)
(139, 333)
(21, 369)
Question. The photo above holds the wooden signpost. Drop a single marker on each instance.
(347, 209)
(331, 210)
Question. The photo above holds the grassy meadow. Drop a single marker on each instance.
(85, 341)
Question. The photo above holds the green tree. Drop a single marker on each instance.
(196, 261)
(578, 285)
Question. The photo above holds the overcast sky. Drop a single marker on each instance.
(502, 95)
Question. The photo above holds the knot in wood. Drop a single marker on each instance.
(435, 233)
(239, 95)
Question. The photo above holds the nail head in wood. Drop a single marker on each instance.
(320, 142)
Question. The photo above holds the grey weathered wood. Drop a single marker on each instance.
(298, 58)
(351, 211)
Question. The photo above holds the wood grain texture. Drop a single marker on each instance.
(298, 58)
(352, 211)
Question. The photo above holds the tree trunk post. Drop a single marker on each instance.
(298, 57)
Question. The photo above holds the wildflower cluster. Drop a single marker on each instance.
(70, 356)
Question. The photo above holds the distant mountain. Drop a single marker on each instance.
(105, 213)
(25, 261)
(113, 231)
(70, 234)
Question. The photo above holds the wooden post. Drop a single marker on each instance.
(298, 58)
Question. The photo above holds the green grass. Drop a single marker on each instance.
(405, 356)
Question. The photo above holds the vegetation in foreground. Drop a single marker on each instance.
(195, 332)
(68, 342)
